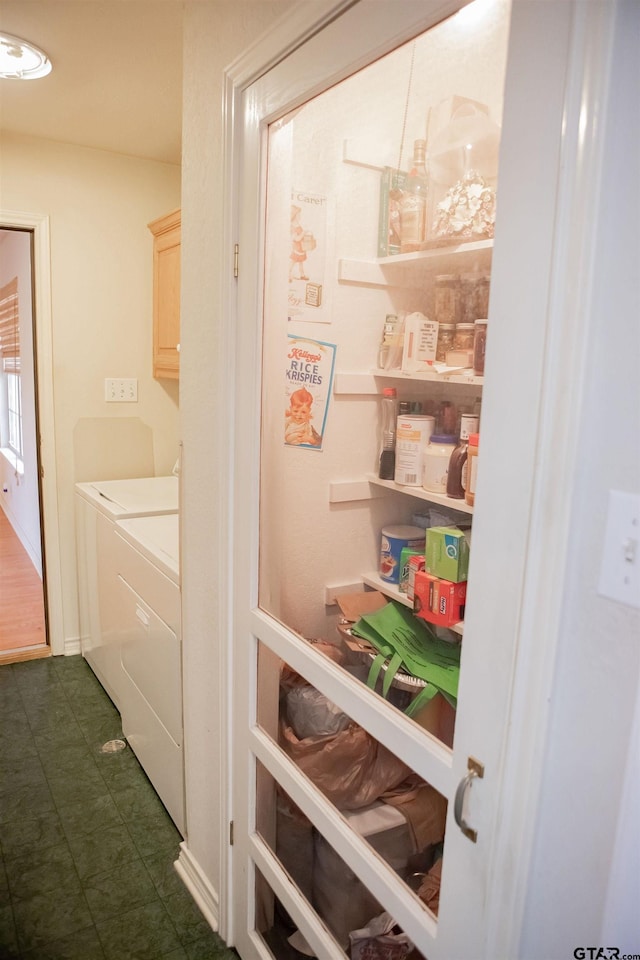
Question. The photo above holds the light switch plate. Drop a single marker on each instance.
(620, 567)
(121, 390)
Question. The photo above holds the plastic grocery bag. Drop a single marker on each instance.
(350, 767)
(378, 941)
(311, 714)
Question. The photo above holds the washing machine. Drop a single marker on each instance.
(145, 599)
(99, 506)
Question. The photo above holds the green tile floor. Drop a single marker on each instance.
(87, 848)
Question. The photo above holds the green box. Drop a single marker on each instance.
(447, 553)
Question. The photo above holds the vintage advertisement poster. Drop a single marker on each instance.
(309, 375)
(307, 255)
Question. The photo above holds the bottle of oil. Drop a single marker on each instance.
(413, 207)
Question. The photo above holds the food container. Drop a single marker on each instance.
(439, 601)
(446, 333)
(447, 553)
(445, 298)
(463, 337)
(436, 462)
(412, 437)
(392, 542)
(472, 468)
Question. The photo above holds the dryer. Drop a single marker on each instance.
(99, 505)
(145, 598)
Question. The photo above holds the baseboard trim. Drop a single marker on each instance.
(72, 647)
(191, 874)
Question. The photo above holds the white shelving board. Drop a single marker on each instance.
(393, 271)
(392, 591)
(343, 491)
(366, 384)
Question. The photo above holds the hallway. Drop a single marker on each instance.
(86, 871)
(22, 623)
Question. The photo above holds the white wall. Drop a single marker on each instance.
(589, 749)
(214, 33)
(21, 501)
(98, 206)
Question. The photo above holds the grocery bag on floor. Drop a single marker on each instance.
(381, 939)
(350, 767)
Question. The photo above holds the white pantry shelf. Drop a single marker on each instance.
(391, 271)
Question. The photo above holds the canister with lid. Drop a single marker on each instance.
(392, 541)
(445, 298)
(436, 462)
(463, 337)
(412, 436)
(446, 333)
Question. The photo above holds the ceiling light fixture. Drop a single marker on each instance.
(20, 60)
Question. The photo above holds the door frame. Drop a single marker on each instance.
(554, 446)
(38, 226)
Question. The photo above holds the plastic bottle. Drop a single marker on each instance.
(387, 466)
(456, 475)
(413, 206)
(472, 468)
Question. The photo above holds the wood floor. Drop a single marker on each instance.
(22, 623)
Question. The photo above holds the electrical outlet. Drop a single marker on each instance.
(620, 568)
(121, 390)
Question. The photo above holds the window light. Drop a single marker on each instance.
(20, 60)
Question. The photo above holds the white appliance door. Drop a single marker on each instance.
(312, 743)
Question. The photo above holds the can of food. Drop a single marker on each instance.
(392, 542)
(412, 437)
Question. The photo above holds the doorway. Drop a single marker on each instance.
(30, 604)
(23, 632)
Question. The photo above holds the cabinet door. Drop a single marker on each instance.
(322, 846)
(166, 296)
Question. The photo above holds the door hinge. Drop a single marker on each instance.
(230, 833)
(236, 252)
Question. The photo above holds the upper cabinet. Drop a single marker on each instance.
(166, 295)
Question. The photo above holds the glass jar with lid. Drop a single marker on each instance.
(446, 332)
(445, 293)
(464, 336)
(479, 346)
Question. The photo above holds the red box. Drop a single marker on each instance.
(438, 601)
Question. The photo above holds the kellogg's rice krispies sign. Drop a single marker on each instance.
(309, 375)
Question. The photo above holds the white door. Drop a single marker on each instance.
(315, 853)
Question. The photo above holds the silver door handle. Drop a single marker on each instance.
(475, 769)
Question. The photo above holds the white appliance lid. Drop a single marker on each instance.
(141, 495)
(157, 538)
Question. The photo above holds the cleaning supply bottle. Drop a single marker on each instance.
(389, 408)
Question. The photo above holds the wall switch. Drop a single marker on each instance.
(121, 391)
(620, 568)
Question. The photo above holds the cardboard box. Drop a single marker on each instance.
(406, 556)
(447, 553)
(438, 601)
(438, 717)
(415, 563)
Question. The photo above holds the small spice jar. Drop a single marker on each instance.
(464, 336)
(479, 346)
(446, 333)
(472, 468)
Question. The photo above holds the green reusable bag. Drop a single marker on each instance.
(403, 640)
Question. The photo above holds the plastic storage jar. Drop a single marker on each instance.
(436, 462)
(472, 468)
(446, 333)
